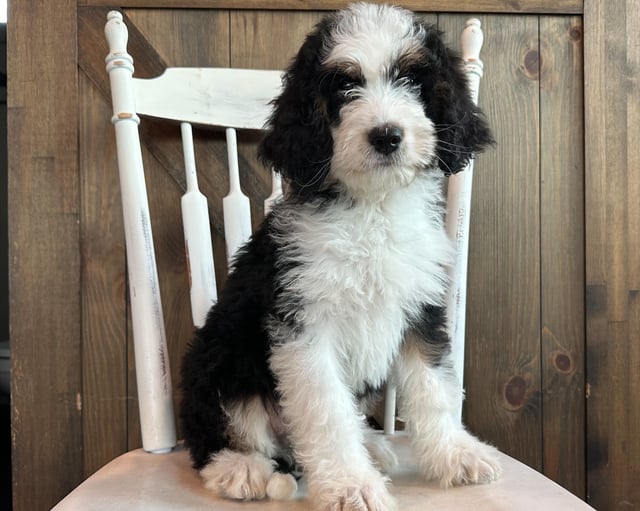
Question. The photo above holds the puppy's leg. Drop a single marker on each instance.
(429, 397)
(326, 429)
(247, 471)
(380, 450)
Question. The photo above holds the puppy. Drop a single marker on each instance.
(342, 287)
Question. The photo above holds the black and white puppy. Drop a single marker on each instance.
(342, 287)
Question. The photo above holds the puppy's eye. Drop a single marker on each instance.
(411, 78)
(345, 84)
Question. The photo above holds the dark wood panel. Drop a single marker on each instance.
(268, 40)
(198, 38)
(45, 311)
(561, 249)
(104, 327)
(502, 376)
(499, 6)
(612, 185)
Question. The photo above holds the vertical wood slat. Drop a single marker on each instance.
(612, 187)
(235, 205)
(45, 310)
(197, 236)
(104, 322)
(562, 243)
(502, 373)
(103, 286)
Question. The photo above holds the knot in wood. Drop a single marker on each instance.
(532, 62)
(515, 392)
(562, 362)
(575, 34)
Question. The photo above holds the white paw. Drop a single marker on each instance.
(237, 475)
(368, 495)
(281, 486)
(464, 460)
(381, 451)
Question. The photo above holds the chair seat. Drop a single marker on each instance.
(139, 481)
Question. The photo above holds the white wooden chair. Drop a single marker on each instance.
(159, 476)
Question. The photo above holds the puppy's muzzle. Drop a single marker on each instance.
(386, 139)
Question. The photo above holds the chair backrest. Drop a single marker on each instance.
(230, 99)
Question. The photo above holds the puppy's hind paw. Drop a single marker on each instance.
(237, 475)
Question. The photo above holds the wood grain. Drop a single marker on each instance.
(561, 245)
(268, 40)
(104, 326)
(612, 183)
(473, 6)
(502, 375)
(199, 38)
(45, 311)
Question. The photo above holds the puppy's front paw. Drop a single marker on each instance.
(466, 460)
(281, 487)
(370, 494)
(236, 475)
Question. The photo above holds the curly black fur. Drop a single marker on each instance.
(228, 355)
(299, 143)
(461, 126)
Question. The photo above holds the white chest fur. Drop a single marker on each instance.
(362, 270)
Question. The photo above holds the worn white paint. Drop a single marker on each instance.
(459, 210)
(155, 398)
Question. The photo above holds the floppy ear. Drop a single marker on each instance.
(461, 126)
(298, 143)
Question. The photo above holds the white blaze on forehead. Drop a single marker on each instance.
(373, 37)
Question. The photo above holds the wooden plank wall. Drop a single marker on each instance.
(525, 320)
(612, 184)
(45, 254)
(74, 403)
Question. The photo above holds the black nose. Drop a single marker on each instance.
(385, 139)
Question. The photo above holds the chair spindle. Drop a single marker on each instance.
(197, 236)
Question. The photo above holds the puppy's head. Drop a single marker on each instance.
(372, 99)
